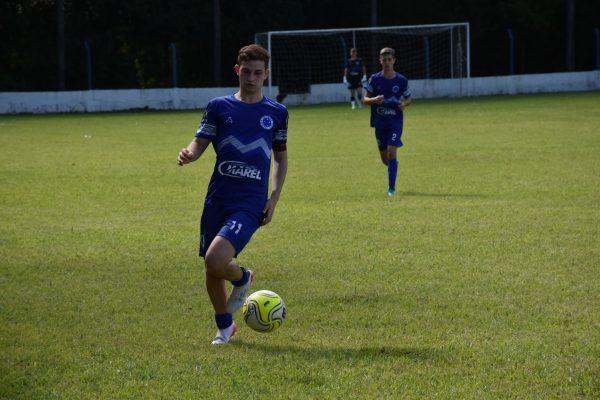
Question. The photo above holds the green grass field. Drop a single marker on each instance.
(479, 280)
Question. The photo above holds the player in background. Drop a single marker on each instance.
(389, 95)
(352, 79)
(245, 129)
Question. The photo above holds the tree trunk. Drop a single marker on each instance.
(60, 41)
(217, 43)
(570, 34)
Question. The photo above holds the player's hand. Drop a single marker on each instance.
(379, 99)
(185, 156)
(268, 211)
(345, 81)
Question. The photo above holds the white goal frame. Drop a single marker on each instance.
(266, 40)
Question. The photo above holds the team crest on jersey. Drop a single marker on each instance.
(229, 120)
(395, 89)
(266, 122)
(237, 169)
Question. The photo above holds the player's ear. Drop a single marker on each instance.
(236, 68)
(267, 71)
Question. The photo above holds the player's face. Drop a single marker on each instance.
(252, 75)
(387, 62)
(353, 53)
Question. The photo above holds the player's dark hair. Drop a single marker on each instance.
(253, 52)
(387, 51)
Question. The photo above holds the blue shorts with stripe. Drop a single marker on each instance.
(234, 224)
(391, 136)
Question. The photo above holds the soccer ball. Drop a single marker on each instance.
(264, 311)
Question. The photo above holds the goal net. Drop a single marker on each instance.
(303, 58)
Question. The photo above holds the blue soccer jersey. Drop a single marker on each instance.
(355, 67)
(243, 136)
(387, 114)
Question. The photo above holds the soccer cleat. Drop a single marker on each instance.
(239, 294)
(223, 335)
(391, 192)
(359, 104)
(353, 106)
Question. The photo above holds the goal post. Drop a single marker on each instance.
(303, 58)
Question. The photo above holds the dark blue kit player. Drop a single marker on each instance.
(245, 129)
(388, 94)
(352, 77)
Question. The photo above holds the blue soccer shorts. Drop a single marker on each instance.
(389, 137)
(237, 226)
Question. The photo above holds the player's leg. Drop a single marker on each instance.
(237, 230)
(359, 96)
(394, 141)
(219, 267)
(383, 154)
(392, 169)
(381, 139)
(219, 244)
(353, 97)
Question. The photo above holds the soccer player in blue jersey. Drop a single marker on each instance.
(352, 77)
(245, 129)
(389, 95)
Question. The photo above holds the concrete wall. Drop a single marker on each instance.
(107, 100)
(181, 99)
(486, 86)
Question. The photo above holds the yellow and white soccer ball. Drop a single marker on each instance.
(264, 311)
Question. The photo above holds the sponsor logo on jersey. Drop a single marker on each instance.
(229, 120)
(266, 122)
(386, 111)
(238, 169)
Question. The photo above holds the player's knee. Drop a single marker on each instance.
(214, 265)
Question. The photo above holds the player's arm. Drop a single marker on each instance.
(405, 102)
(345, 77)
(370, 98)
(364, 78)
(406, 99)
(193, 151)
(280, 165)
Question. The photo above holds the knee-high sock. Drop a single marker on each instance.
(392, 173)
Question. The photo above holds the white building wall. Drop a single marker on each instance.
(181, 99)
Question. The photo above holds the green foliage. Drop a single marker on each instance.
(130, 39)
(479, 280)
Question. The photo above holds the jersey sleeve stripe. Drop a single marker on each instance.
(206, 130)
(281, 135)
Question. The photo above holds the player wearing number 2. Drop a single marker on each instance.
(245, 129)
(388, 94)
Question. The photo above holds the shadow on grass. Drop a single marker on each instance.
(364, 353)
(463, 195)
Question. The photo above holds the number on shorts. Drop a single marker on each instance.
(233, 225)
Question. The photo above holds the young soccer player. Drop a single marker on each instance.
(245, 129)
(388, 94)
(352, 80)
